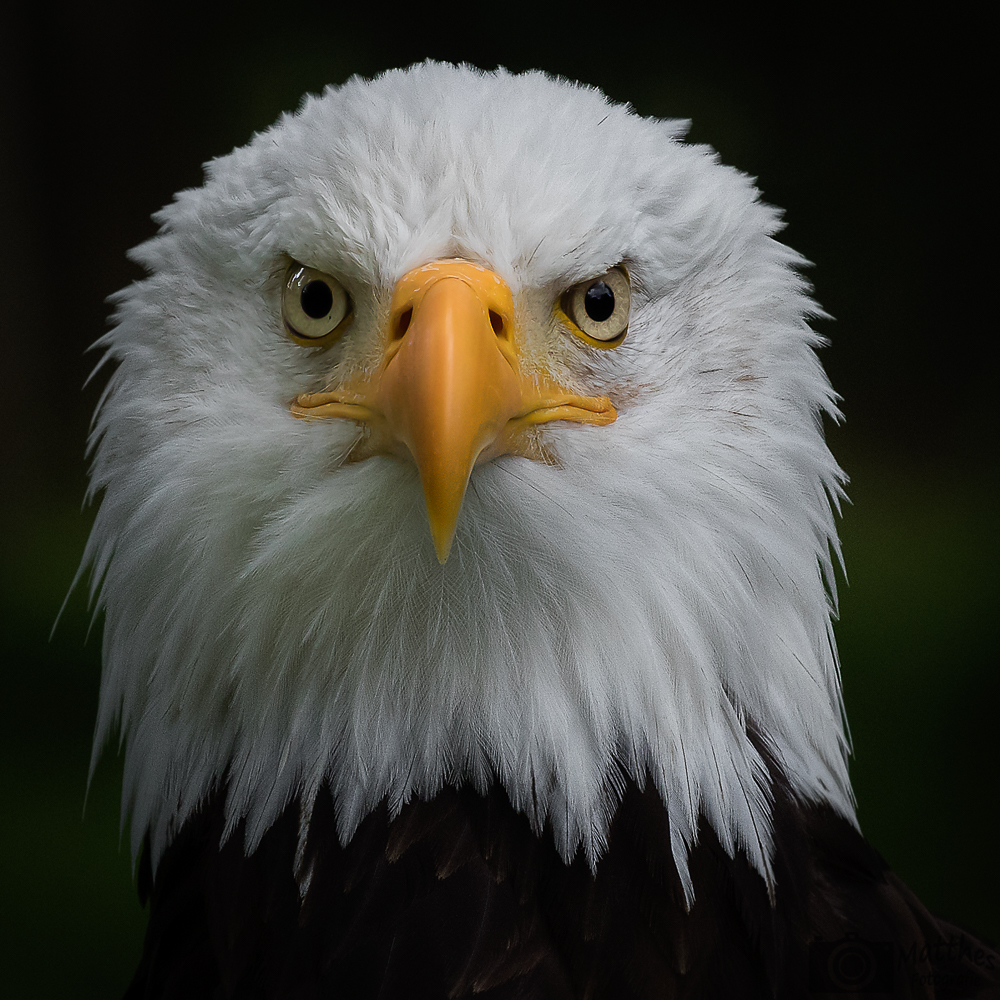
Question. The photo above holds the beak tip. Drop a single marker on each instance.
(443, 503)
(442, 535)
(442, 547)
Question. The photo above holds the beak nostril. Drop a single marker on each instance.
(403, 323)
(496, 321)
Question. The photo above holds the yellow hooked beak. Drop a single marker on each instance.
(452, 386)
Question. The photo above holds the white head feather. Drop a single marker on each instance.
(277, 618)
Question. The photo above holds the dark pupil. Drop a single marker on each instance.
(316, 299)
(599, 301)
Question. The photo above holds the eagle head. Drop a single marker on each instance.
(466, 428)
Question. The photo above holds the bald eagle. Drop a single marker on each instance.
(466, 545)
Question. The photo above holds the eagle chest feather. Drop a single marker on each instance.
(459, 897)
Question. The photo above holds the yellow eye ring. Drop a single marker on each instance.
(597, 310)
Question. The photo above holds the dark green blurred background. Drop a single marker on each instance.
(868, 136)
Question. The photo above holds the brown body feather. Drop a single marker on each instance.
(456, 897)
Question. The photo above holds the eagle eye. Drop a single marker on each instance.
(598, 308)
(314, 306)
